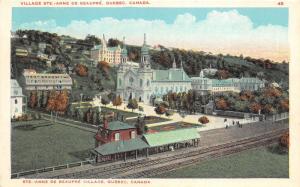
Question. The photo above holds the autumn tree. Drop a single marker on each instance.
(51, 103)
(160, 110)
(246, 95)
(81, 70)
(203, 120)
(255, 107)
(62, 100)
(117, 101)
(284, 140)
(272, 92)
(222, 74)
(132, 104)
(104, 67)
(284, 104)
(222, 104)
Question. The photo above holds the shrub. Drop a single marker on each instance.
(203, 120)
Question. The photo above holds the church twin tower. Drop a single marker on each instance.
(133, 81)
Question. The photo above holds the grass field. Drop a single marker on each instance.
(148, 120)
(44, 145)
(254, 163)
(121, 112)
(173, 126)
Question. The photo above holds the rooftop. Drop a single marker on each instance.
(168, 137)
(119, 125)
(121, 146)
(170, 75)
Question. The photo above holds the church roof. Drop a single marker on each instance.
(170, 75)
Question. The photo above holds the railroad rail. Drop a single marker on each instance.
(155, 165)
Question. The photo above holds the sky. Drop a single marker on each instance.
(255, 32)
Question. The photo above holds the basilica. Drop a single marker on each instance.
(143, 83)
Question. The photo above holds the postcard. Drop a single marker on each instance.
(149, 93)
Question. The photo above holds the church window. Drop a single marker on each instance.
(120, 82)
(141, 82)
(16, 101)
(148, 83)
(131, 81)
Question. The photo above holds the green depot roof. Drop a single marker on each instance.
(121, 146)
(118, 125)
(168, 137)
(171, 75)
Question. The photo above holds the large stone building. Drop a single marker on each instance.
(16, 99)
(143, 83)
(205, 85)
(101, 52)
(44, 81)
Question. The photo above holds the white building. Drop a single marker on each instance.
(204, 84)
(16, 99)
(45, 81)
(142, 82)
(111, 55)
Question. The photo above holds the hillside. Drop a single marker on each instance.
(70, 51)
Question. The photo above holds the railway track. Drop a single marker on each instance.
(154, 166)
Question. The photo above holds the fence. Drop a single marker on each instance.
(52, 168)
(78, 123)
(277, 117)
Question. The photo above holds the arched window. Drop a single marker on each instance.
(141, 82)
(16, 101)
(117, 136)
(131, 80)
(148, 83)
(120, 82)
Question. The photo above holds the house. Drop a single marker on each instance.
(110, 55)
(52, 57)
(16, 99)
(146, 144)
(21, 52)
(42, 56)
(114, 131)
(45, 81)
(42, 46)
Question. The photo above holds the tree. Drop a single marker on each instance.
(105, 100)
(62, 100)
(132, 104)
(169, 113)
(222, 104)
(51, 102)
(284, 105)
(255, 107)
(203, 120)
(117, 101)
(284, 140)
(222, 74)
(33, 100)
(160, 110)
(81, 70)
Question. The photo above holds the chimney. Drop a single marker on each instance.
(105, 123)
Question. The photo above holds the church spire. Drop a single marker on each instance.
(103, 41)
(144, 38)
(174, 64)
(123, 41)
